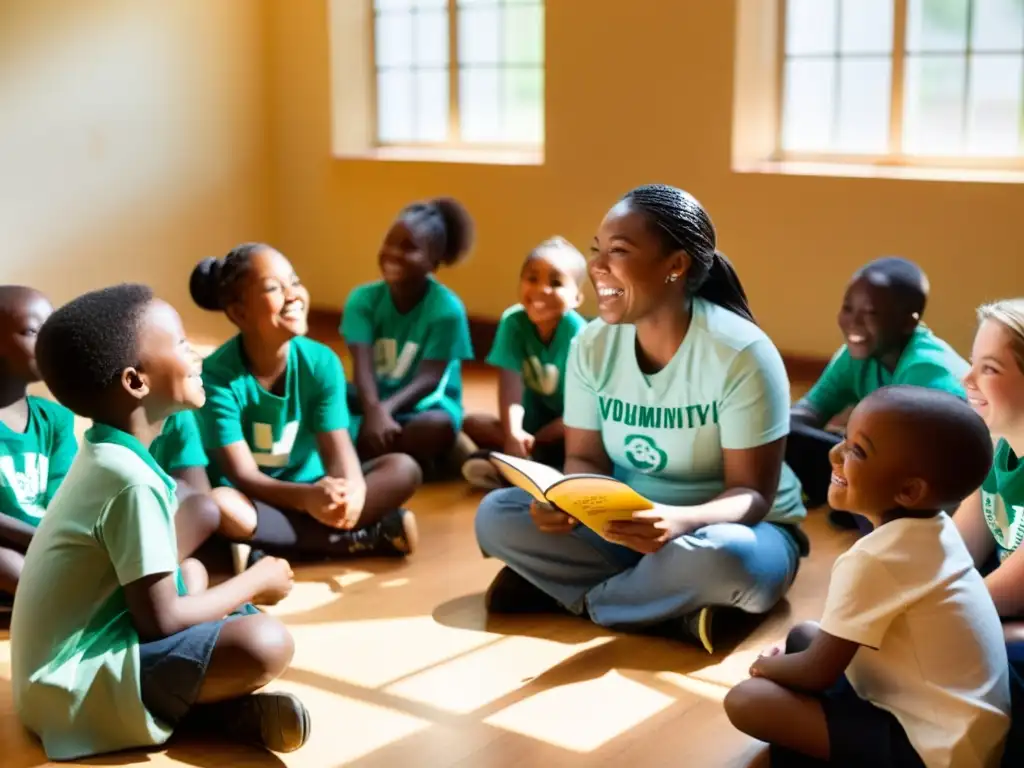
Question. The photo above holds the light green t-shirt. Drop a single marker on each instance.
(1002, 500)
(280, 430)
(74, 650)
(180, 445)
(33, 463)
(518, 348)
(435, 329)
(927, 361)
(725, 388)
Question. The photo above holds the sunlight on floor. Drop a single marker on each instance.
(583, 716)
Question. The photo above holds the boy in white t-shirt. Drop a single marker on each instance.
(908, 666)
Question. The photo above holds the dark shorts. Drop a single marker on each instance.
(443, 405)
(173, 668)
(860, 735)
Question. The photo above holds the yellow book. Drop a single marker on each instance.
(594, 500)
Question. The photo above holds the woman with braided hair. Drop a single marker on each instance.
(677, 392)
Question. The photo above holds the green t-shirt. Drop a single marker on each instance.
(1002, 500)
(74, 649)
(33, 463)
(927, 361)
(725, 388)
(435, 329)
(180, 445)
(517, 347)
(280, 430)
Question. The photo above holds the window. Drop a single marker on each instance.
(492, 97)
(903, 80)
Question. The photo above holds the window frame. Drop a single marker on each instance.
(455, 142)
(894, 156)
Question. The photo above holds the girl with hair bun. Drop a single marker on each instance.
(408, 335)
(275, 423)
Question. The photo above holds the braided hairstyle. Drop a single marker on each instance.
(216, 283)
(443, 226)
(681, 223)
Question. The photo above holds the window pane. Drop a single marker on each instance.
(866, 26)
(808, 104)
(431, 4)
(431, 38)
(393, 43)
(937, 25)
(933, 105)
(998, 25)
(524, 34)
(395, 120)
(863, 121)
(523, 105)
(994, 106)
(479, 35)
(479, 105)
(810, 26)
(393, 5)
(490, 3)
(432, 105)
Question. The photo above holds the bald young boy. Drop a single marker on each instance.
(908, 666)
(37, 436)
(885, 343)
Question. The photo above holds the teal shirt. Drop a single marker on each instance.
(435, 329)
(927, 361)
(75, 668)
(517, 347)
(280, 430)
(725, 388)
(180, 445)
(1002, 500)
(33, 463)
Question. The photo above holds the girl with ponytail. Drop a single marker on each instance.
(408, 335)
(677, 392)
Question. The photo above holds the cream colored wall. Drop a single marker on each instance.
(633, 96)
(132, 141)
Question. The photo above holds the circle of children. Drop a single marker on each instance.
(118, 639)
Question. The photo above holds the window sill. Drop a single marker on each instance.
(879, 171)
(461, 155)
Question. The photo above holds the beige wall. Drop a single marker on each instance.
(633, 96)
(132, 141)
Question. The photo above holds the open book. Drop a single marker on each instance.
(594, 500)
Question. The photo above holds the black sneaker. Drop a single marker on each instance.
(394, 535)
(511, 593)
(692, 627)
(278, 722)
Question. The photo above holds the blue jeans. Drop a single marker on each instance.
(745, 567)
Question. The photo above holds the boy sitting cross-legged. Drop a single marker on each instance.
(908, 666)
(114, 646)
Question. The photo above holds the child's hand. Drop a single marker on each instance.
(276, 580)
(381, 430)
(551, 520)
(767, 653)
(322, 499)
(519, 444)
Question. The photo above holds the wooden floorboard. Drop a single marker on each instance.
(400, 666)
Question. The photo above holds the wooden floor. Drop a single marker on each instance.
(400, 666)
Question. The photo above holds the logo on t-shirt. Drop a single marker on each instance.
(1005, 521)
(540, 377)
(388, 362)
(29, 485)
(644, 454)
(658, 417)
(269, 452)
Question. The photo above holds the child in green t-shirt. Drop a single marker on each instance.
(276, 422)
(113, 644)
(37, 436)
(530, 350)
(408, 336)
(886, 344)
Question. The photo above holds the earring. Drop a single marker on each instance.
(672, 278)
